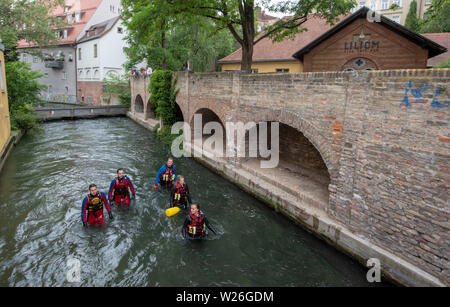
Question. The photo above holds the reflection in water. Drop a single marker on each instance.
(47, 176)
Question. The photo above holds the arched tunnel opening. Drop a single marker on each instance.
(138, 104)
(178, 113)
(301, 169)
(197, 132)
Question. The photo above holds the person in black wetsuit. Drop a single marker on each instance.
(195, 224)
(179, 194)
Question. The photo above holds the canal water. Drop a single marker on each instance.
(47, 175)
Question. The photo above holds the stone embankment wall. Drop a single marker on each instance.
(385, 140)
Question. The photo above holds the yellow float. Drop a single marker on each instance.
(172, 211)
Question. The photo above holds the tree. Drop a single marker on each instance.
(23, 93)
(437, 18)
(27, 19)
(183, 38)
(412, 22)
(238, 17)
(147, 23)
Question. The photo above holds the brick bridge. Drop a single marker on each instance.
(364, 158)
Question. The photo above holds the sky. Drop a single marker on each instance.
(271, 3)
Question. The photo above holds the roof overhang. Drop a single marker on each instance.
(433, 47)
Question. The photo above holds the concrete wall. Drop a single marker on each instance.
(73, 112)
(385, 140)
(60, 82)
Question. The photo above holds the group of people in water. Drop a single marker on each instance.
(194, 226)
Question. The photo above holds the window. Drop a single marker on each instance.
(65, 33)
(254, 71)
(120, 30)
(397, 2)
(384, 4)
(69, 18)
(46, 75)
(2, 82)
(64, 75)
(88, 74)
(362, 4)
(35, 59)
(282, 70)
(373, 5)
(24, 57)
(95, 50)
(66, 9)
(396, 19)
(79, 53)
(77, 17)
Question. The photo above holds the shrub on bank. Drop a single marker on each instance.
(162, 89)
(23, 93)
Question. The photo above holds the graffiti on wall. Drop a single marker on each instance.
(417, 94)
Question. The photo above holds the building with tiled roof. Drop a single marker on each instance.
(355, 43)
(100, 56)
(59, 64)
(271, 56)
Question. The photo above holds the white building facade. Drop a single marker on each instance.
(100, 53)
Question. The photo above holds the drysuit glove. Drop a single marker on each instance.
(85, 224)
(110, 215)
(155, 187)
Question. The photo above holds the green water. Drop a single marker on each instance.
(47, 176)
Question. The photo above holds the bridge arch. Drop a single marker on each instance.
(311, 133)
(208, 116)
(138, 104)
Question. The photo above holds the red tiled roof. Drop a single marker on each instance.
(266, 50)
(86, 7)
(442, 39)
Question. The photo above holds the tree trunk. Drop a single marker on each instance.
(247, 11)
(247, 55)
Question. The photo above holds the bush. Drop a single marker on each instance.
(119, 85)
(445, 64)
(23, 94)
(165, 135)
(162, 89)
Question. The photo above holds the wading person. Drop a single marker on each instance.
(93, 204)
(179, 194)
(118, 190)
(166, 175)
(195, 224)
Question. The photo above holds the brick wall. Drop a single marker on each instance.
(383, 135)
(391, 50)
(90, 92)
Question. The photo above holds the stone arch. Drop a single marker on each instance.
(294, 120)
(304, 169)
(212, 106)
(138, 104)
(179, 114)
(208, 115)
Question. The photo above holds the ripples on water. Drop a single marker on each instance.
(47, 176)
